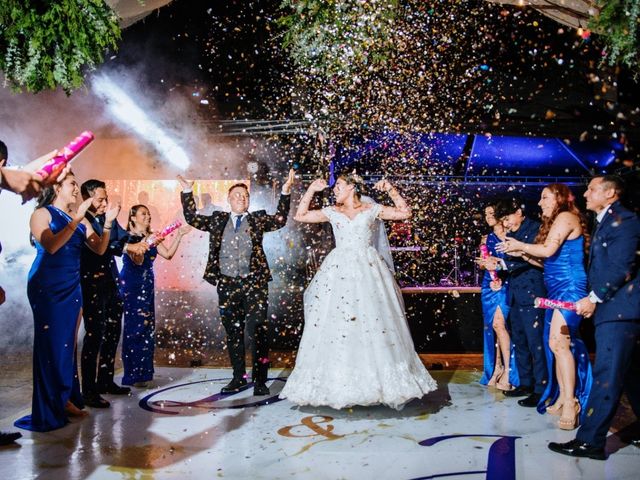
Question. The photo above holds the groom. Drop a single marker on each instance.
(238, 266)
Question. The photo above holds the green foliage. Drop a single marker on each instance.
(618, 23)
(46, 44)
(333, 36)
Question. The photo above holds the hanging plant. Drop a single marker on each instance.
(618, 23)
(50, 44)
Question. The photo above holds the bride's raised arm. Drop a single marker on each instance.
(400, 211)
(303, 214)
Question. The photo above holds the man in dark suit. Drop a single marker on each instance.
(614, 278)
(238, 266)
(527, 322)
(101, 302)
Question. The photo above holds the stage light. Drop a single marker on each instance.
(121, 106)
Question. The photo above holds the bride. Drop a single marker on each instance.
(356, 348)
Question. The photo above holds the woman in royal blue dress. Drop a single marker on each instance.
(54, 294)
(560, 245)
(137, 288)
(499, 362)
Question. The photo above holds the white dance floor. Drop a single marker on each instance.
(182, 429)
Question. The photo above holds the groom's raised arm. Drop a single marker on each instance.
(201, 222)
(279, 219)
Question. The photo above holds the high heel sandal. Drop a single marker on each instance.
(504, 386)
(571, 423)
(497, 373)
(555, 409)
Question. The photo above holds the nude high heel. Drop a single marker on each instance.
(555, 409)
(497, 373)
(505, 386)
(570, 423)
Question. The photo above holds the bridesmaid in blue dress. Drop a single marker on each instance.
(53, 290)
(561, 243)
(499, 362)
(138, 292)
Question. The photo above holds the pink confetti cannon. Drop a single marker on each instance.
(548, 303)
(66, 154)
(484, 253)
(155, 238)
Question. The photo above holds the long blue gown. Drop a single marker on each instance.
(491, 300)
(138, 337)
(565, 279)
(53, 289)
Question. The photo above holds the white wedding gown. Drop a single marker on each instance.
(356, 348)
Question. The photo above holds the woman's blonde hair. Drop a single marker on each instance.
(356, 180)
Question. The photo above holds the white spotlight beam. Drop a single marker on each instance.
(122, 107)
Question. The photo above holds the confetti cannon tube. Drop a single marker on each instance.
(484, 253)
(548, 303)
(155, 238)
(66, 154)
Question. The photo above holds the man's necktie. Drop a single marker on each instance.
(238, 222)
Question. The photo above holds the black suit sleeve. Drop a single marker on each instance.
(117, 239)
(622, 240)
(278, 220)
(201, 222)
(516, 264)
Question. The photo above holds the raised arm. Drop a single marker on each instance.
(400, 210)
(95, 242)
(201, 222)
(279, 219)
(169, 252)
(303, 214)
(41, 231)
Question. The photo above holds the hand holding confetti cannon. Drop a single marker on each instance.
(548, 303)
(65, 155)
(156, 238)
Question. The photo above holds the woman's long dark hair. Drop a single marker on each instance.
(132, 213)
(565, 203)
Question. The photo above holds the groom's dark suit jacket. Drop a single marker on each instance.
(259, 223)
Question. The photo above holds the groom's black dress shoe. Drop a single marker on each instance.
(518, 392)
(7, 438)
(234, 386)
(94, 400)
(576, 448)
(114, 389)
(531, 401)
(260, 389)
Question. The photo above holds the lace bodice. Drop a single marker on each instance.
(353, 234)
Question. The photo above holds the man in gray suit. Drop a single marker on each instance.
(238, 266)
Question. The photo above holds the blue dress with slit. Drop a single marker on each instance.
(491, 301)
(565, 279)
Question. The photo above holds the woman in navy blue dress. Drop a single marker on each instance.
(138, 291)
(561, 243)
(54, 293)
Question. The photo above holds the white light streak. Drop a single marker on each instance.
(122, 107)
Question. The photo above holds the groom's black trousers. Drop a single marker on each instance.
(244, 302)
